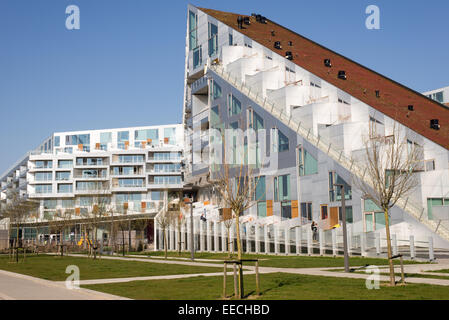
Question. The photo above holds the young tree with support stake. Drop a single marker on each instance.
(391, 164)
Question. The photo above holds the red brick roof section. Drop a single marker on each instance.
(361, 82)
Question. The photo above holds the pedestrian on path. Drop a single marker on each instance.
(314, 231)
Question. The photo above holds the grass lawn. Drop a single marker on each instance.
(276, 286)
(441, 271)
(292, 261)
(53, 268)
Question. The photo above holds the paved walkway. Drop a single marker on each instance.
(14, 286)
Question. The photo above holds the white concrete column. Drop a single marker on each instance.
(208, 236)
(334, 243)
(394, 241)
(202, 236)
(412, 247)
(298, 236)
(349, 241)
(248, 229)
(431, 253)
(363, 244)
(223, 237)
(215, 236)
(232, 239)
(321, 238)
(176, 238)
(276, 239)
(265, 238)
(309, 241)
(377, 240)
(189, 231)
(287, 240)
(155, 235)
(257, 238)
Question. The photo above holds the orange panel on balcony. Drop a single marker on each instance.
(295, 209)
(269, 208)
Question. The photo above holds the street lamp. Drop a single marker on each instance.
(192, 247)
(345, 231)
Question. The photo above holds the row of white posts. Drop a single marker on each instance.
(273, 238)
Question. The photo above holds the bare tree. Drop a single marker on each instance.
(228, 221)
(164, 219)
(18, 210)
(61, 221)
(391, 164)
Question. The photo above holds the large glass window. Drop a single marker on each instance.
(68, 203)
(306, 211)
(65, 188)
(214, 116)
(43, 188)
(126, 183)
(44, 164)
(57, 141)
(43, 176)
(282, 188)
(234, 105)
(105, 138)
(65, 164)
(348, 210)
(157, 195)
(213, 39)
(167, 180)
(197, 57)
(193, 25)
(334, 191)
(145, 134)
(49, 204)
(307, 163)
(128, 197)
(89, 185)
(63, 175)
(216, 90)
(170, 134)
(76, 139)
(260, 192)
(131, 158)
(283, 142)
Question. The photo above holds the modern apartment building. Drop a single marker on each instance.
(440, 95)
(315, 106)
(132, 168)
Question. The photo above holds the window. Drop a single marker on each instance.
(306, 211)
(131, 158)
(234, 105)
(214, 116)
(128, 197)
(193, 25)
(167, 167)
(334, 191)
(282, 188)
(65, 164)
(166, 156)
(216, 90)
(105, 139)
(324, 214)
(231, 39)
(144, 135)
(57, 141)
(437, 96)
(197, 57)
(167, 180)
(43, 176)
(260, 192)
(283, 142)
(49, 204)
(213, 39)
(43, 188)
(73, 140)
(89, 161)
(122, 138)
(348, 210)
(374, 221)
(307, 163)
(65, 188)
(157, 195)
(126, 183)
(44, 164)
(68, 203)
(63, 175)
(88, 185)
(170, 133)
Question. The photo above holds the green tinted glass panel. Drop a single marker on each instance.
(369, 222)
(370, 206)
(262, 209)
(380, 220)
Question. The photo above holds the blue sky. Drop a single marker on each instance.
(125, 66)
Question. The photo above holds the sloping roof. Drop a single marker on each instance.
(361, 82)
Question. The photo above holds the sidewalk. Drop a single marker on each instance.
(14, 286)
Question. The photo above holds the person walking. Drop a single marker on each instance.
(314, 231)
